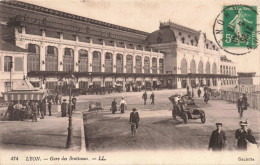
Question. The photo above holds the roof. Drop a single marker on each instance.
(41, 9)
(7, 46)
(161, 36)
(22, 85)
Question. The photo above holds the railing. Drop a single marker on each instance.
(246, 88)
(253, 99)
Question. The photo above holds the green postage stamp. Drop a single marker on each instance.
(235, 29)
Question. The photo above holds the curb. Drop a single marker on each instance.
(83, 142)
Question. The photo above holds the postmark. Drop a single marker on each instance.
(235, 29)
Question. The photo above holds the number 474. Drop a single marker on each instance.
(14, 158)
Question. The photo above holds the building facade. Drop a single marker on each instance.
(105, 54)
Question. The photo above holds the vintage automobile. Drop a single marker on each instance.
(186, 109)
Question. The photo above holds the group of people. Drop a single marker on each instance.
(122, 105)
(27, 109)
(243, 135)
(152, 98)
(66, 109)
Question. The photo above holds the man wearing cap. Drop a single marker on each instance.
(242, 135)
(217, 138)
(134, 118)
(64, 107)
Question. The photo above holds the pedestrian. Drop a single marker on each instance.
(217, 138)
(188, 88)
(244, 98)
(152, 98)
(28, 109)
(74, 101)
(144, 97)
(113, 106)
(10, 111)
(206, 97)
(123, 105)
(42, 108)
(34, 111)
(134, 118)
(64, 107)
(240, 106)
(244, 136)
(192, 92)
(49, 106)
(199, 92)
(17, 109)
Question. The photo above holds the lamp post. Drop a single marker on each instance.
(70, 80)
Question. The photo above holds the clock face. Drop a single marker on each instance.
(235, 29)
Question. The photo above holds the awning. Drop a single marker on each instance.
(24, 95)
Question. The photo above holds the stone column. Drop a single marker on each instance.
(124, 63)
(142, 63)
(60, 57)
(102, 61)
(178, 83)
(42, 56)
(158, 67)
(134, 63)
(90, 60)
(114, 62)
(151, 62)
(76, 59)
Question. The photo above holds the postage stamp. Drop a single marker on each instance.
(235, 29)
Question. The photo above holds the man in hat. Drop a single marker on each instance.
(17, 109)
(74, 101)
(134, 118)
(64, 107)
(242, 135)
(217, 138)
(152, 98)
(144, 97)
(240, 106)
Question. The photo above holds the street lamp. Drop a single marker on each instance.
(70, 78)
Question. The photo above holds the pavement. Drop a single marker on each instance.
(49, 133)
(158, 131)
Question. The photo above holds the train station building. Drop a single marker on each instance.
(104, 54)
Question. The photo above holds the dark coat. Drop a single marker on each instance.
(134, 117)
(217, 140)
(241, 137)
(152, 96)
(64, 108)
(145, 96)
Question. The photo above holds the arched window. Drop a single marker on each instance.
(68, 59)
(119, 63)
(33, 63)
(146, 65)
(214, 68)
(138, 64)
(200, 68)
(51, 59)
(221, 69)
(108, 62)
(83, 60)
(208, 68)
(184, 66)
(161, 66)
(192, 67)
(154, 65)
(226, 69)
(129, 64)
(96, 61)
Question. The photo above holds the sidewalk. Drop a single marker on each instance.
(49, 133)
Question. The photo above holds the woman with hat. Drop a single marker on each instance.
(242, 135)
(64, 108)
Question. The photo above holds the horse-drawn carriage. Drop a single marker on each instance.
(185, 108)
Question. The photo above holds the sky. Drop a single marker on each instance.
(146, 15)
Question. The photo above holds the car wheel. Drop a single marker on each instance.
(203, 117)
